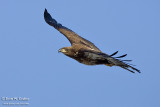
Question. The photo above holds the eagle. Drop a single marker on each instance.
(85, 51)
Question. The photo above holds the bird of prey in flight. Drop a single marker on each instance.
(85, 51)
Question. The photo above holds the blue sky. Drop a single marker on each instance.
(30, 65)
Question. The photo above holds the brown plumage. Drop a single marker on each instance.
(85, 51)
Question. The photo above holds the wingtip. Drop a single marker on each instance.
(135, 69)
(46, 14)
(139, 71)
(132, 70)
(114, 53)
(45, 11)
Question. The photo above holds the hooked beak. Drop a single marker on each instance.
(59, 50)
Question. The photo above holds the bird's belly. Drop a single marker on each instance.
(88, 58)
(91, 61)
(88, 62)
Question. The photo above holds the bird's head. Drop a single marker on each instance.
(66, 50)
(62, 50)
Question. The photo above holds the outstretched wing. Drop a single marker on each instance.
(122, 64)
(113, 61)
(102, 58)
(69, 34)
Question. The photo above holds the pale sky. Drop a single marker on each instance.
(31, 67)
